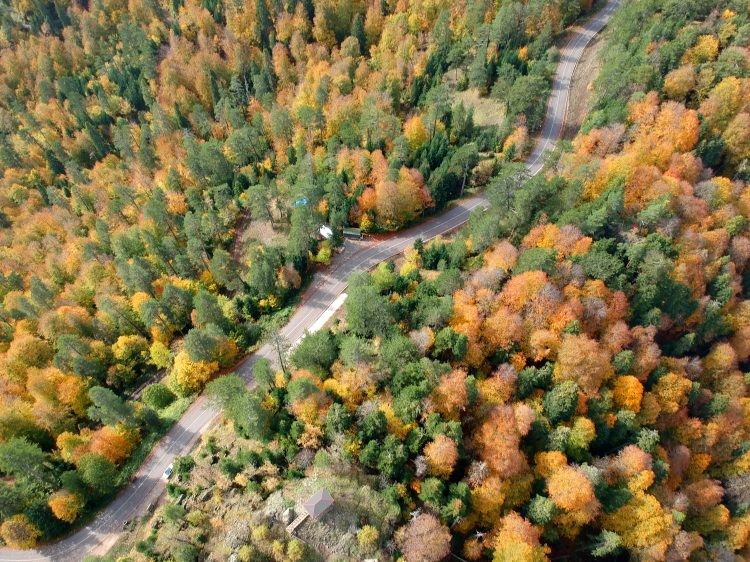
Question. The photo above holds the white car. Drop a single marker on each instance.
(167, 472)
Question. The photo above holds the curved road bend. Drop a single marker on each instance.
(99, 535)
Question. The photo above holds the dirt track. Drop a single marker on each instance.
(580, 88)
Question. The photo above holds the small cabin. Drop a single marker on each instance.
(317, 504)
(314, 507)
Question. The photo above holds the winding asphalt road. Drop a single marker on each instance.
(99, 535)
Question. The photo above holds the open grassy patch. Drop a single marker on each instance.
(487, 110)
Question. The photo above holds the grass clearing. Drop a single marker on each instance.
(487, 111)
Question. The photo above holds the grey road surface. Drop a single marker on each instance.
(99, 535)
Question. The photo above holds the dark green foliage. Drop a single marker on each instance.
(432, 492)
(448, 281)
(173, 512)
(533, 377)
(157, 226)
(561, 401)
(528, 95)
(715, 406)
(484, 229)
(355, 350)
(521, 201)
(71, 480)
(24, 460)
(183, 466)
(76, 355)
(612, 498)
(108, 408)
(457, 503)
(40, 515)
(368, 455)
(158, 396)
(601, 265)
(261, 276)
(408, 402)
(535, 259)
(367, 312)
(392, 457)
(396, 352)
(316, 352)
(208, 311)
(338, 419)
(411, 374)
(98, 473)
(242, 406)
(229, 467)
(299, 389)
(372, 426)
(656, 212)
(623, 361)
(447, 341)
(184, 552)
(358, 32)
(433, 255)
(600, 217)
(202, 344)
(207, 162)
(435, 425)
(656, 291)
(541, 510)
(263, 373)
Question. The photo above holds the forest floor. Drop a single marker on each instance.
(580, 88)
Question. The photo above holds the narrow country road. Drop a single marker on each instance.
(99, 535)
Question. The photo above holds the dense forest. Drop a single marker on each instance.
(567, 377)
(139, 139)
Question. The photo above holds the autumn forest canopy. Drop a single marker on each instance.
(567, 376)
(165, 169)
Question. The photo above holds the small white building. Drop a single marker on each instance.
(325, 232)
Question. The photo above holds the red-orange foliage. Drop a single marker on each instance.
(518, 540)
(502, 255)
(499, 387)
(498, 439)
(502, 328)
(521, 289)
(583, 361)
(703, 494)
(441, 455)
(628, 392)
(113, 443)
(487, 499)
(424, 539)
(573, 493)
(65, 505)
(449, 397)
